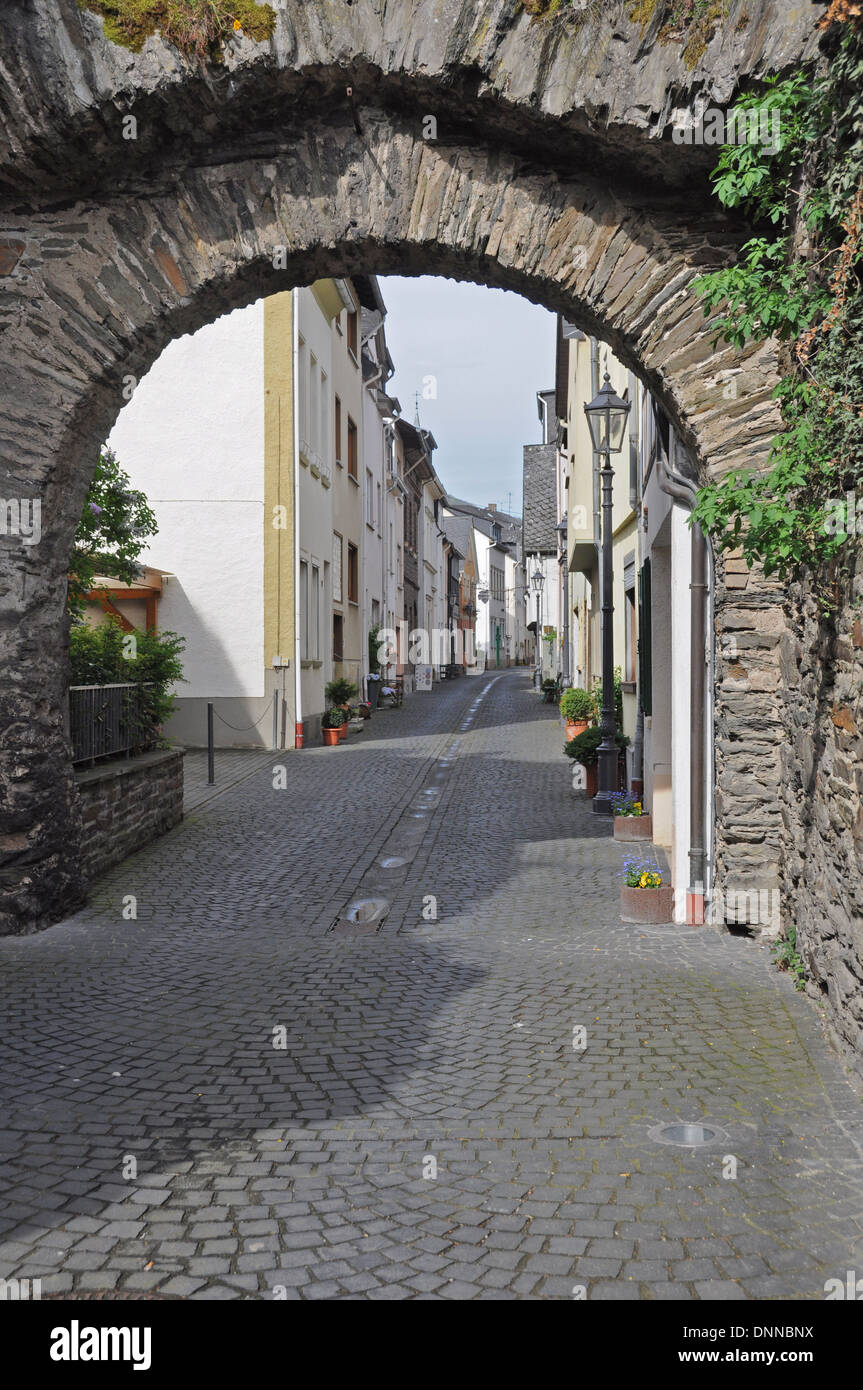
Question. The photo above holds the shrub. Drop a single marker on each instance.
(333, 719)
(576, 704)
(585, 746)
(106, 655)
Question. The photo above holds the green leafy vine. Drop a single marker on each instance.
(798, 280)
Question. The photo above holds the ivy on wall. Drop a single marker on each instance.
(799, 280)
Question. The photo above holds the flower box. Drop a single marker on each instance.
(647, 905)
(633, 828)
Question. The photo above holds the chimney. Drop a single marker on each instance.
(492, 506)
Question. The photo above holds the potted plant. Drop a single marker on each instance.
(643, 896)
(576, 707)
(331, 725)
(340, 691)
(631, 821)
(585, 748)
(549, 690)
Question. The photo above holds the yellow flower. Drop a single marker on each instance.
(237, 24)
(638, 807)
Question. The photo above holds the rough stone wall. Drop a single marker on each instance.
(822, 780)
(750, 625)
(125, 804)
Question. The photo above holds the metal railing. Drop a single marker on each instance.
(106, 721)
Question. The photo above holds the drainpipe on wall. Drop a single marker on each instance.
(683, 490)
(295, 407)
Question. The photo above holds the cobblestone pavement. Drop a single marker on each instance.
(302, 1171)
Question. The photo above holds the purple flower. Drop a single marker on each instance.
(95, 508)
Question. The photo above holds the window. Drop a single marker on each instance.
(370, 499)
(314, 402)
(338, 636)
(315, 615)
(399, 570)
(304, 610)
(380, 508)
(338, 432)
(391, 549)
(353, 574)
(645, 639)
(629, 622)
(324, 441)
(302, 390)
(337, 567)
(352, 333)
(353, 453)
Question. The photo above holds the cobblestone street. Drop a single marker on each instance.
(299, 1172)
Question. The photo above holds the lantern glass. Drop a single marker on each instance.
(607, 415)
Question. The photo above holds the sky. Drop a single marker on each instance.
(485, 353)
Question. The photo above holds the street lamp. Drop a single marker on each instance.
(538, 581)
(607, 415)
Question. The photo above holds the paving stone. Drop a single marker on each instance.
(404, 1043)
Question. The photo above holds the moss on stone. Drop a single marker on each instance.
(692, 22)
(198, 28)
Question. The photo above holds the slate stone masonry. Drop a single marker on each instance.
(126, 804)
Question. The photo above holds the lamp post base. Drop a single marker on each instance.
(601, 804)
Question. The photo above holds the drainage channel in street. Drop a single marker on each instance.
(365, 913)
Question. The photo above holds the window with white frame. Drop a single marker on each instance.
(304, 609)
(370, 498)
(314, 624)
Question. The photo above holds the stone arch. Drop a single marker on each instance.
(96, 284)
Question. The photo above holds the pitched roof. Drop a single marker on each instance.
(458, 529)
(540, 498)
(485, 517)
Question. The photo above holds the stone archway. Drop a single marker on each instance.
(106, 260)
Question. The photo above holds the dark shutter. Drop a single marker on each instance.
(645, 640)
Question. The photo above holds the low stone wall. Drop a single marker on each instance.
(822, 782)
(127, 803)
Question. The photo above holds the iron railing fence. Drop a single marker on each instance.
(106, 721)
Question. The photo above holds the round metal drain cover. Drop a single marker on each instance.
(366, 910)
(687, 1136)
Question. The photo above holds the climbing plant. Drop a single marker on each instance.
(799, 280)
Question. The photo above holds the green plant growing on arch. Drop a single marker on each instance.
(199, 28)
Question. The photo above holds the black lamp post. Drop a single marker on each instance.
(606, 416)
(538, 581)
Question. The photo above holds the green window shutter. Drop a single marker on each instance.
(645, 640)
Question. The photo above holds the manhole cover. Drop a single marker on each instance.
(687, 1136)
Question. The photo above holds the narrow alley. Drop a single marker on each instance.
(240, 1094)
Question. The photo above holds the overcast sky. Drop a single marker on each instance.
(489, 351)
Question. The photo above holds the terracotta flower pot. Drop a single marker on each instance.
(647, 905)
(343, 731)
(331, 737)
(633, 828)
(574, 727)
